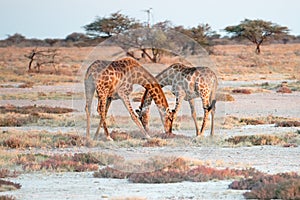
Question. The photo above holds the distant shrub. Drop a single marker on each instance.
(262, 186)
(256, 139)
(242, 91)
(252, 121)
(224, 97)
(288, 124)
(6, 197)
(8, 185)
(180, 170)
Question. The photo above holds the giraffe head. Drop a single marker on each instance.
(167, 117)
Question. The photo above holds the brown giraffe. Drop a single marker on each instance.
(117, 80)
(187, 84)
(90, 81)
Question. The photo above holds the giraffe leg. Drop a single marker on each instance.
(108, 102)
(102, 111)
(89, 94)
(194, 115)
(212, 113)
(179, 98)
(206, 109)
(127, 104)
(205, 118)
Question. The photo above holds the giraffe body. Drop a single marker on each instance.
(187, 83)
(116, 82)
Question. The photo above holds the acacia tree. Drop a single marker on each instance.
(114, 24)
(257, 31)
(200, 33)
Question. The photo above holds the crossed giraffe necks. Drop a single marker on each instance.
(116, 81)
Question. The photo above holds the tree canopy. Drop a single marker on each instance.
(257, 31)
(114, 24)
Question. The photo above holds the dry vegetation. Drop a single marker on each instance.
(234, 62)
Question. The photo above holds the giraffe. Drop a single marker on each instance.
(187, 84)
(116, 82)
(90, 79)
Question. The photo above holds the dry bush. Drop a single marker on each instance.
(155, 142)
(256, 140)
(20, 139)
(287, 124)
(18, 120)
(77, 162)
(180, 170)
(224, 97)
(6, 197)
(34, 109)
(8, 186)
(284, 90)
(248, 121)
(4, 173)
(242, 91)
(119, 136)
(278, 186)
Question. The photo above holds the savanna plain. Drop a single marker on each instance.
(254, 153)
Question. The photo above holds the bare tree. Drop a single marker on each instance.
(38, 58)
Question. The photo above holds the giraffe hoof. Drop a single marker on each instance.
(109, 138)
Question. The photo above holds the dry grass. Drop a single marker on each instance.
(178, 170)
(239, 62)
(285, 140)
(233, 62)
(42, 96)
(277, 186)
(39, 139)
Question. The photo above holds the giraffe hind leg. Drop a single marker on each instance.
(89, 94)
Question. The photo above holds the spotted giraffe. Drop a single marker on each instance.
(90, 81)
(187, 84)
(116, 82)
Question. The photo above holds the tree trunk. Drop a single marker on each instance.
(257, 49)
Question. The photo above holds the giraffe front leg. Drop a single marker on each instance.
(194, 115)
(102, 105)
(179, 99)
(108, 102)
(205, 118)
(127, 104)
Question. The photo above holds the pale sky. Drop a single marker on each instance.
(58, 18)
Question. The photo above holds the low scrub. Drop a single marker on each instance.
(34, 109)
(262, 186)
(242, 91)
(39, 139)
(6, 197)
(256, 140)
(77, 162)
(287, 124)
(224, 97)
(8, 186)
(180, 170)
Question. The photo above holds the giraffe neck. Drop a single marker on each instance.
(153, 89)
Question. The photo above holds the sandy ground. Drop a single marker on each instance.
(270, 159)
